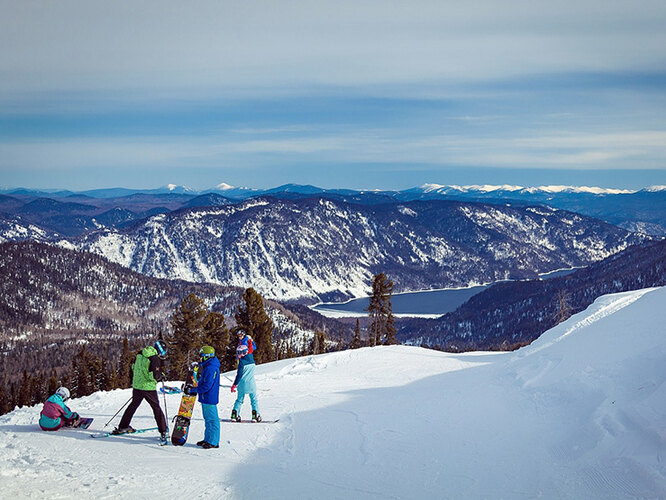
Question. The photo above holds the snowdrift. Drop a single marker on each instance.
(580, 413)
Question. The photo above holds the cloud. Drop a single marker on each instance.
(266, 45)
(380, 146)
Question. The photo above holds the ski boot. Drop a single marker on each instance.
(235, 417)
(208, 446)
(255, 416)
(164, 439)
(125, 430)
(201, 443)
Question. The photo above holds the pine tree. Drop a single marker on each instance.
(38, 389)
(381, 323)
(216, 334)
(318, 343)
(186, 339)
(356, 340)
(390, 329)
(24, 391)
(83, 386)
(563, 308)
(5, 397)
(52, 384)
(290, 351)
(253, 320)
(125, 366)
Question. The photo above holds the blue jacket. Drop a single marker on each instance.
(208, 387)
(246, 359)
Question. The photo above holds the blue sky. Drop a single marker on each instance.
(371, 94)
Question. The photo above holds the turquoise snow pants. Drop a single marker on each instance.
(212, 421)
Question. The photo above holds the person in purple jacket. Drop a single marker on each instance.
(55, 413)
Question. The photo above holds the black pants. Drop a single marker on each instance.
(138, 396)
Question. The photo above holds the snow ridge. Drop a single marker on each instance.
(580, 417)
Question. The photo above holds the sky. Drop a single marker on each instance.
(339, 94)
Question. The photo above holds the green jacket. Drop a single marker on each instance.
(144, 369)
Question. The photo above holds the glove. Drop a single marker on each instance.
(233, 388)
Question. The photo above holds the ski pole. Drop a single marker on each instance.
(166, 412)
(123, 406)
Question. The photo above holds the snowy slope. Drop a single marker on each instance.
(580, 413)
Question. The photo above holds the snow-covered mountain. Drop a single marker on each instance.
(319, 249)
(577, 414)
(637, 211)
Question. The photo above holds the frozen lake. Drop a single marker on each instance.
(426, 304)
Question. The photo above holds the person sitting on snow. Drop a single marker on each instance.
(56, 414)
(245, 377)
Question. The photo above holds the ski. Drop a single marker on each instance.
(170, 390)
(249, 421)
(110, 434)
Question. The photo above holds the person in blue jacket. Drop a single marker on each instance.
(55, 413)
(244, 381)
(208, 389)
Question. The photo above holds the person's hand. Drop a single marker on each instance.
(233, 388)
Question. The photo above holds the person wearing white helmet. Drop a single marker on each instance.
(56, 413)
(244, 381)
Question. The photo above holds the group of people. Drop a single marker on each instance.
(147, 372)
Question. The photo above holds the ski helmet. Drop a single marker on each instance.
(206, 352)
(160, 348)
(63, 392)
(242, 350)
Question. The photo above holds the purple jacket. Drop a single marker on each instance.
(53, 414)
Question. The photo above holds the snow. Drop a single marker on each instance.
(487, 188)
(580, 413)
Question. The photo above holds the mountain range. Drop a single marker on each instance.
(68, 213)
(317, 249)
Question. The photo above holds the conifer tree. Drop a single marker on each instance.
(185, 340)
(290, 351)
(5, 397)
(52, 384)
(216, 334)
(124, 367)
(253, 320)
(25, 390)
(563, 308)
(356, 340)
(381, 323)
(83, 386)
(318, 344)
(390, 329)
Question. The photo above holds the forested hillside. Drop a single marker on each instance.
(509, 315)
(54, 301)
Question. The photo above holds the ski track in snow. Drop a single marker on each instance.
(580, 413)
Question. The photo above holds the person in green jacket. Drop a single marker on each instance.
(146, 372)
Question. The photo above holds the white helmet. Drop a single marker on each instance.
(63, 392)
